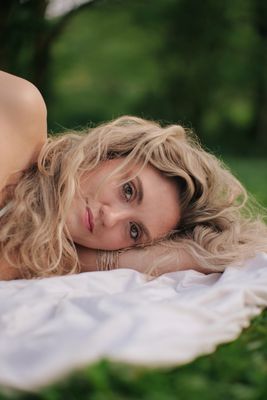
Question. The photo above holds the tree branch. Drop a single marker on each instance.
(62, 22)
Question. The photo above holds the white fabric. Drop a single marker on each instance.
(51, 326)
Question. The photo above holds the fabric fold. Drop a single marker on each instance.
(52, 326)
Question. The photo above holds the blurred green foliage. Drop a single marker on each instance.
(253, 174)
(199, 63)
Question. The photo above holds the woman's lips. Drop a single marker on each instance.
(89, 219)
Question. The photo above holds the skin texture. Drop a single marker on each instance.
(118, 216)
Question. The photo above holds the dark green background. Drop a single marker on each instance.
(199, 63)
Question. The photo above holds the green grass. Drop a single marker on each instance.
(252, 173)
(236, 371)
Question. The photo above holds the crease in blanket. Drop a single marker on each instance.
(50, 327)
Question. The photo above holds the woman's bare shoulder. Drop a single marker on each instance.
(23, 127)
(22, 107)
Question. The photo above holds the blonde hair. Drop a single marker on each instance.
(220, 224)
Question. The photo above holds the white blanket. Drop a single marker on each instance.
(52, 326)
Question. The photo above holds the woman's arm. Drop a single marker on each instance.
(140, 259)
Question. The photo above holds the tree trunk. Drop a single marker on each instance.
(27, 38)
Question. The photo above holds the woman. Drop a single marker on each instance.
(127, 194)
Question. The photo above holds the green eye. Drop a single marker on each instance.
(134, 231)
(128, 191)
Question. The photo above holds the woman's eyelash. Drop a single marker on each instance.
(135, 232)
(128, 190)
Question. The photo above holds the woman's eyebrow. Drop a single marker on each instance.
(140, 192)
(146, 232)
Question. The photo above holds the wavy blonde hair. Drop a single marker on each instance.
(220, 224)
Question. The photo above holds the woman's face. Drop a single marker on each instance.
(123, 215)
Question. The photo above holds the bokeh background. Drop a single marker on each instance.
(201, 63)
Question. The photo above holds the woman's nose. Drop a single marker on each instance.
(113, 215)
